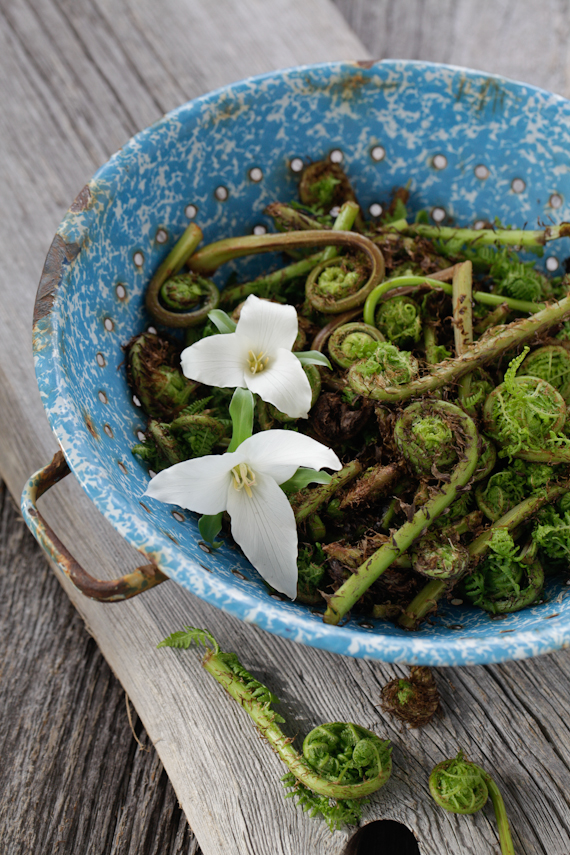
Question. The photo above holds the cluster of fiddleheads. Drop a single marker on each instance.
(451, 319)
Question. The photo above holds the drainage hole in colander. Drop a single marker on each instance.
(108, 324)
(334, 212)
(555, 201)
(144, 507)
(366, 625)
(204, 547)
(101, 361)
(190, 211)
(377, 153)
(518, 185)
(481, 171)
(296, 164)
(255, 174)
(336, 156)
(121, 291)
(141, 435)
(480, 224)
(108, 430)
(259, 229)
(151, 330)
(552, 263)
(136, 401)
(161, 235)
(138, 258)
(122, 467)
(178, 516)
(439, 161)
(238, 574)
(221, 193)
(375, 209)
(102, 397)
(438, 215)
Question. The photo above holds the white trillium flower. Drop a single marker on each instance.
(245, 483)
(257, 356)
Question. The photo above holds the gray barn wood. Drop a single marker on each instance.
(76, 79)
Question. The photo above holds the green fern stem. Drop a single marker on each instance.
(358, 583)
(489, 347)
(484, 237)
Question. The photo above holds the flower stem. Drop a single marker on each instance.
(356, 585)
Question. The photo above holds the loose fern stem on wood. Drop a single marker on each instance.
(490, 346)
(426, 600)
(344, 762)
(463, 787)
(356, 585)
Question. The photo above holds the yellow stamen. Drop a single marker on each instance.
(243, 476)
(257, 363)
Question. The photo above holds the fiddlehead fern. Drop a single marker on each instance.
(462, 787)
(439, 559)
(414, 700)
(550, 363)
(337, 285)
(351, 342)
(155, 377)
(523, 412)
(399, 320)
(497, 584)
(386, 367)
(324, 185)
(340, 762)
(465, 432)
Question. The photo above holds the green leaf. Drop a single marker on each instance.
(222, 321)
(183, 639)
(312, 357)
(209, 526)
(241, 412)
(303, 477)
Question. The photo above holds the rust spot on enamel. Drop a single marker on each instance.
(90, 426)
(60, 254)
(82, 201)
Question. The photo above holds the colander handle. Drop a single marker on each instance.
(127, 586)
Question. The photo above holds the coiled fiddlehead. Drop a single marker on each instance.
(181, 293)
(425, 438)
(466, 436)
(386, 367)
(340, 761)
(399, 320)
(155, 377)
(414, 700)
(497, 584)
(351, 342)
(439, 559)
(523, 412)
(460, 786)
(337, 285)
(550, 363)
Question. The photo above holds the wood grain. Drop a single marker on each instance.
(76, 79)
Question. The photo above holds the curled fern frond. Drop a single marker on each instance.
(183, 639)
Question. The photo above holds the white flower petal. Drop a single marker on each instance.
(268, 325)
(199, 485)
(279, 453)
(284, 384)
(264, 526)
(217, 360)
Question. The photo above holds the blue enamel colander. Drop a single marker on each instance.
(473, 147)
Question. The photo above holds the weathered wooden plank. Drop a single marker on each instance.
(76, 79)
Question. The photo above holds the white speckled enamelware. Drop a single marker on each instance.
(473, 145)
